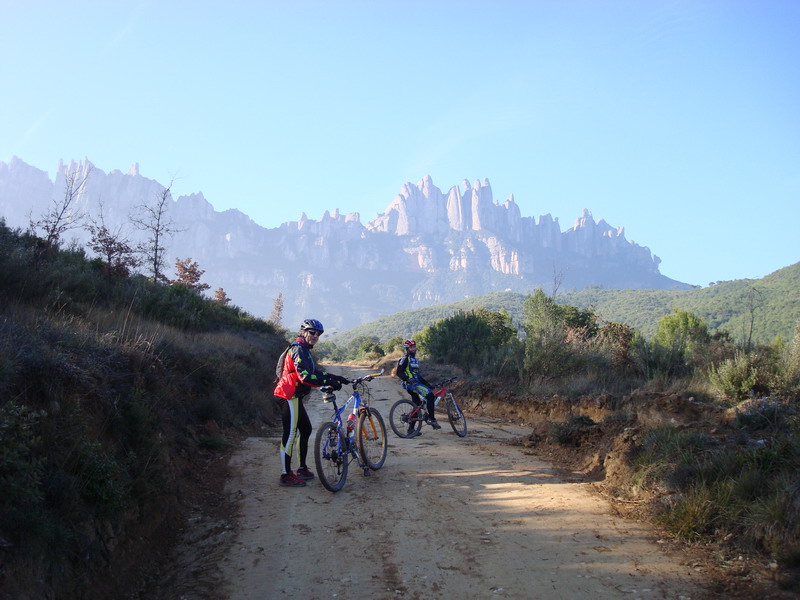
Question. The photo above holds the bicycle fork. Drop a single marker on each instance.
(350, 451)
(371, 431)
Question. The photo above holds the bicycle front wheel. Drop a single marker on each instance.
(456, 417)
(371, 434)
(405, 418)
(331, 457)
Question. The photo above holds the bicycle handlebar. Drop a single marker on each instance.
(328, 389)
(370, 377)
(444, 382)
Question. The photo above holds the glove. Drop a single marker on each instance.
(336, 386)
(342, 380)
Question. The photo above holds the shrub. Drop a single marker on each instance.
(393, 344)
(215, 442)
(773, 521)
(21, 470)
(99, 478)
(547, 353)
(329, 351)
(470, 339)
(618, 339)
(750, 492)
(693, 515)
(681, 331)
(371, 349)
(568, 433)
(784, 378)
(734, 378)
(667, 457)
(766, 414)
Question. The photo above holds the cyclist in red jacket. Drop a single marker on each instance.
(414, 383)
(298, 375)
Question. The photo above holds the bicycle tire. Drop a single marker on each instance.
(331, 456)
(456, 417)
(399, 419)
(371, 435)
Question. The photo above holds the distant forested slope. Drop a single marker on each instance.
(771, 304)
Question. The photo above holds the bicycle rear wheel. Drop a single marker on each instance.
(456, 417)
(331, 456)
(371, 434)
(405, 418)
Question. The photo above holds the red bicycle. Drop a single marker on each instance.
(406, 417)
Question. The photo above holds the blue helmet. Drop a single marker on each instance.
(312, 324)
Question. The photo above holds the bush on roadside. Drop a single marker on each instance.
(735, 377)
(470, 340)
(568, 433)
(706, 488)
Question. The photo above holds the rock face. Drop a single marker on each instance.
(427, 247)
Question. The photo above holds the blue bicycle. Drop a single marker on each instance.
(362, 438)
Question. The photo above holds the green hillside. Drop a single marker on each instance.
(771, 304)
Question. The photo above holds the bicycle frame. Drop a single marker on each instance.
(336, 444)
(329, 396)
(441, 393)
(408, 422)
(355, 399)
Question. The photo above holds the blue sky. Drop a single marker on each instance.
(679, 120)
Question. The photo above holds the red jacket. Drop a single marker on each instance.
(300, 373)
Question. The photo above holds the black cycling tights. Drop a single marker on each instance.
(301, 426)
(431, 400)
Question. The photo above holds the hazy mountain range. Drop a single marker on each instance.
(426, 248)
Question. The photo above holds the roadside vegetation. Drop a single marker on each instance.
(732, 479)
(112, 387)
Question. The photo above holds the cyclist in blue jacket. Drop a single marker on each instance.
(414, 383)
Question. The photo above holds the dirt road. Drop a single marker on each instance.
(446, 517)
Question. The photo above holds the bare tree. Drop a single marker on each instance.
(221, 297)
(114, 249)
(62, 215)
(558, 279)
(154, 220)
(277, 310)
(189, 274)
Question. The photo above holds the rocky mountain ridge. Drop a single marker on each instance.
(427, 247)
